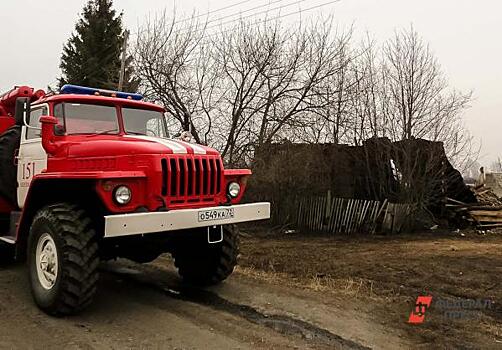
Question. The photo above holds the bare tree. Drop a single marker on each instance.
(173, 63)
(496, 166)
(240, 87)
(419, 101)
(333, 96)
(366, 97)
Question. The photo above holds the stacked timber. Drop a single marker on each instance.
(486, 213)
(487, 197)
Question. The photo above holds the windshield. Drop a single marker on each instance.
(144, 122)
(79, 118)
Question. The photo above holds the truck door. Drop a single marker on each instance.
(32, 158)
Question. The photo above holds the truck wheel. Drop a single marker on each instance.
(63, 259)
(9, 143)
(203, 264)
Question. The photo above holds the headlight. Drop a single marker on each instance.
(122, 195)
(234, 189)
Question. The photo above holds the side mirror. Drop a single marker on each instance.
(48, 122)
(59, 130)
(186, 136)
(22, 110)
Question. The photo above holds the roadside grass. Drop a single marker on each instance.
(385, 274)
(354, 287)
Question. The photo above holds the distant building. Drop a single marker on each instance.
(494, 182)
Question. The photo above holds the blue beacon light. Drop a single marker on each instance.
(82, 90)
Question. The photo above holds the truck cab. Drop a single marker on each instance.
(89, 175)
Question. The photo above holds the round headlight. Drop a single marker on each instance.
(122, 195)
(234, 189)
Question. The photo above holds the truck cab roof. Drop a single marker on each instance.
(98, 99)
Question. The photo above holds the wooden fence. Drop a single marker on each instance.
(342, 215)
(396, 217)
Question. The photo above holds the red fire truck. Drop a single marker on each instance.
(89, 175)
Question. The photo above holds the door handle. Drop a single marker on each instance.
(16, 157)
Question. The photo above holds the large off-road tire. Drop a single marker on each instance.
(63, 259)
(201, 263)
(9, 143)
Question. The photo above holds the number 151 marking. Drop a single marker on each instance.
(28, 170)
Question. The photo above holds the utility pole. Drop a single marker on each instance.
(123, 60)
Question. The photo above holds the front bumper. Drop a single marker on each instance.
(141, 223)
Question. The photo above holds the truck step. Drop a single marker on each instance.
(8, 239)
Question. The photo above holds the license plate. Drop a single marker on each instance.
(216, 214)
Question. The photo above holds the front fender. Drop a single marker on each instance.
(105, 188)
(46, 190)
(239, 175)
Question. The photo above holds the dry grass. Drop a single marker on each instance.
(386, 274)
(353, 287)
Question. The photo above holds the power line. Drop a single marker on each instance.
(258, 13)
(254, 8)
(217, 10)
(274, 18)
(212, 11)
(251, 9)
(262, 21)
(248, 16)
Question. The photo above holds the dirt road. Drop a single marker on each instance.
(289, 292)
(145, 307)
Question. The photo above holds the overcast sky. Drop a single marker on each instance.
(465, 36)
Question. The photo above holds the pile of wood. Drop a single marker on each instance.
(485, 196)
(486, 213)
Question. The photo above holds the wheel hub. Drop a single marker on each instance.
(46, 261)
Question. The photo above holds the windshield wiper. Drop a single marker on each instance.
(103, 132)
(143, 134)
